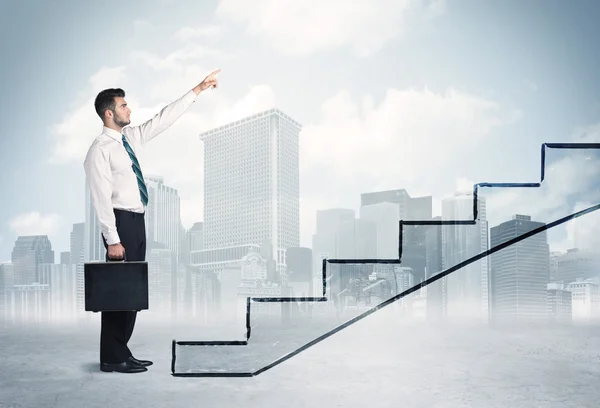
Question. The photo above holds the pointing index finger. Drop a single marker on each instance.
(214, 73)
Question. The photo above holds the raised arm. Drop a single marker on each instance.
(98, 176)
(169, 114)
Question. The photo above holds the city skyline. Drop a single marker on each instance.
(575, 277)
(164, 218)
(154, 178)
(356, 124)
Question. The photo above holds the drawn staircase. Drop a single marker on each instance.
(397, 297)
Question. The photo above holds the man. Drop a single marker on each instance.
(119, 196)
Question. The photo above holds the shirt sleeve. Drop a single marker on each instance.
(99, 177)
(161, 121)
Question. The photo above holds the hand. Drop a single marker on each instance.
(210, 81)
(116, 251)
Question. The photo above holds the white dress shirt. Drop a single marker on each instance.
(108, 170)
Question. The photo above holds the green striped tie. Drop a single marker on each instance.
(138, 172)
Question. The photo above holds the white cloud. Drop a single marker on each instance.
(413, 139)
(407, 128)
(35, 223)
(106, 77)
(401, 139)
(570, 176)
(191, 206)
(179, 61)
(582, 232)
(72, 136)
(301, 27)
(204, 32)
(258, 98)
(464, 185)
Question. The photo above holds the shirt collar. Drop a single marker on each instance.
(112, 133)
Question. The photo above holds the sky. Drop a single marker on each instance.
(427, 95)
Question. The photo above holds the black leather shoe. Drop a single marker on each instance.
(124, 367)
(141, 363)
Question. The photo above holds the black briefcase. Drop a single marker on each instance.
(116, 286)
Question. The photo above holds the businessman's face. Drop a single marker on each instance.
(121, 114)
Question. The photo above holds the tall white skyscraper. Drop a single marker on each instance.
(324, 240)
(94, 246)
(386, 216)
(76, 260)
(162, 220)
(162, 267)
(28, 253)
(62, 283)
(195, 237)
(7, 280)
(162, 217)
(467, 288)
(251, 186)
(519, 272)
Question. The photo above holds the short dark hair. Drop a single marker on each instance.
(106, 100)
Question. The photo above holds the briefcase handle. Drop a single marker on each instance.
(118, 260)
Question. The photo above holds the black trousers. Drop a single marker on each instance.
(117, 327)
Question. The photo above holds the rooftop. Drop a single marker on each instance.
(259, 115)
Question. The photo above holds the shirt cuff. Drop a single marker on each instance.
(112, 238)
(190, 97)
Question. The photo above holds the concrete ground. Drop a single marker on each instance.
(376, 362)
